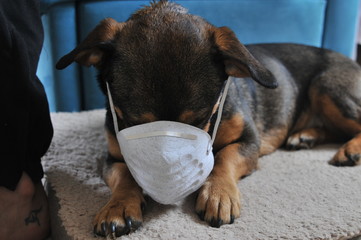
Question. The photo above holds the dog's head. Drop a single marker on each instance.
(165, 64)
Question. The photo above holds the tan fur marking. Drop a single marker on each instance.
(315, 133)
(308, 138)
(187, 117)
(114, 176)
(272, 140)
(119, 175)
(230, 162)
(336, 118)
(143, 118)
(236, 70)
(148, 117)
(224, 38)
(302, 121)
(104, 31)
(229, 131)
(206, 128)
(238, 57)
(113, 146)
(215, 107)
(92, 58)
(119, 112)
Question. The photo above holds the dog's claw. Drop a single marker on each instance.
(128, 222)
(133, 224)
(116, 230)
(232, 219)
(349, 161)
(98, 233)
(113, 227)
(120, 216)
(143, 206)
(103, 230)
(217, 223)
(104, 227)
(201, 215)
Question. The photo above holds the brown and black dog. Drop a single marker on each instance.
(165, 64)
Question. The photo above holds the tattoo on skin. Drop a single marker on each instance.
(33, 216)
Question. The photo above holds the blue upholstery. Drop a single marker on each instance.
(323, 23)
(340, 26)
(62, 87)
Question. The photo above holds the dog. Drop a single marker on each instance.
(166, 64)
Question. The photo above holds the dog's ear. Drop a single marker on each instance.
(92, 49)
(238, 61)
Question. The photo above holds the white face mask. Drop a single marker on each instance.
(169, 160)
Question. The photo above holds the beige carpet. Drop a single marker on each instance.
(294, 195)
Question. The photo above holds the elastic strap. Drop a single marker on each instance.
(220, 108)
(112, 109)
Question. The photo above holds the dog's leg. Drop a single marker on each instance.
(341, 114)
(123, 212)
(272, 139)
(335, 127)
(218, 200)
(350, 153)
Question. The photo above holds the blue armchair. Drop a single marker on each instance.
(330, 24)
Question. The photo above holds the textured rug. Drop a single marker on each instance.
(293, 195)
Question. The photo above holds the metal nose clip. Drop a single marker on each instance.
(162, 133)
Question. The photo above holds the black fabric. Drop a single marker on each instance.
(25, 126)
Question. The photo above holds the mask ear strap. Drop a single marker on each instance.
(220, 108)
(112, 109)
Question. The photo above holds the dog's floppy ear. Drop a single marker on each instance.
(238, 61)
(91, 50)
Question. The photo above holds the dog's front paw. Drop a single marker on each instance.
(121, 215)
(305, 139)
(218, 201)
